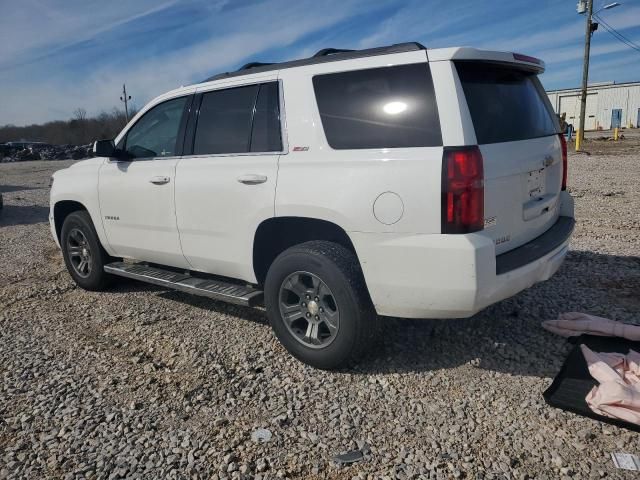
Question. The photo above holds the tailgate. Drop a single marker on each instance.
(517, 132)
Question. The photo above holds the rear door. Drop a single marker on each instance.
(517, 132)
(226, 182)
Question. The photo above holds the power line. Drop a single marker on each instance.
(621, 39)
(617, 32)
(617, 35)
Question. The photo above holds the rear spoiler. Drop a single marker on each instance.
(468, 53)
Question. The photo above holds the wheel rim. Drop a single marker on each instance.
(79, 252)
(309, 310)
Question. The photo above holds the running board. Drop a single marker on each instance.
(212, 288)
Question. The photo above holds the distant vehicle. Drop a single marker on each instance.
(393, 181)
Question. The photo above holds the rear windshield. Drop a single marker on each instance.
(506, 104)
(383, 107)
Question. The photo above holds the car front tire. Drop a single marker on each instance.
(83, 254)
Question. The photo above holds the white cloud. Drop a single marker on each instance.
(99, 90)
(41, 25)
(600, 70)
(417, 20)
(561, 55)
(231, 32)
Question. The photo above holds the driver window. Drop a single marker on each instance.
(156, 133)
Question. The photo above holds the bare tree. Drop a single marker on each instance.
(79, 130)
(79, 126)
(80, 114)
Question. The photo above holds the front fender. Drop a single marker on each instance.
(79, 183)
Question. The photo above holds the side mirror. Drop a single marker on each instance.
(104, 148)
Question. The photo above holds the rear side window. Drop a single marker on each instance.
(265, 131)
(224, 121)
(388, 107)
(506, 104)
(239, 120)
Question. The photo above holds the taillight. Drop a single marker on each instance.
(462, 190)
(563, 142)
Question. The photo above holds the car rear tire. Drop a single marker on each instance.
(83, 254)
(318, 305)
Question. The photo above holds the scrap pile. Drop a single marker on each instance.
(44, 152)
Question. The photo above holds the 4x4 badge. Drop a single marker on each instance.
(300, 149)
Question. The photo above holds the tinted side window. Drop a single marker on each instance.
(379, 108)
(224, 122)
(156, 133)
(265, 134)
(506, 104)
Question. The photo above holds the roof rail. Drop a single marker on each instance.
(323, 56)
(249, 65)
(330, 51)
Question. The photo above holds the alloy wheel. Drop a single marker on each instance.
(309, 310)
(79, 252)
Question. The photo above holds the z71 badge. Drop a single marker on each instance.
(490, 222)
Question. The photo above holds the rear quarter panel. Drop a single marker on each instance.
(341, 186)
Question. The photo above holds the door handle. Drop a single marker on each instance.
(252, 179)
(159, 180)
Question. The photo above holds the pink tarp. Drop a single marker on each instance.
(618, 374)
(572, 324)
(618, 394)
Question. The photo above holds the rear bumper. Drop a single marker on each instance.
(537, 248)
(453, 276)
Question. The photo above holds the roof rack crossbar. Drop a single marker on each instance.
(324, 55)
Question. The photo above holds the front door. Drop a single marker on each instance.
(137, 191)
(225, 183)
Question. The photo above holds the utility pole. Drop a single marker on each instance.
(585, 74)
(125, 98)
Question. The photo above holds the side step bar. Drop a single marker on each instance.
(212, 288)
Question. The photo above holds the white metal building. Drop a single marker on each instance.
(609, 105)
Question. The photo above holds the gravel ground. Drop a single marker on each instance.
(141, 382)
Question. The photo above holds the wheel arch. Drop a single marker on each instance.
(62, 209)
(275, 235)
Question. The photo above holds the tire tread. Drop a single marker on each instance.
(98, 282)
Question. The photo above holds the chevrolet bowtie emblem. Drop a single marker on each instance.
(548, 160)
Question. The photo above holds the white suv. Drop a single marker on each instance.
(395, 181)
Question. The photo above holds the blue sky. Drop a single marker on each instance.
(58, 55)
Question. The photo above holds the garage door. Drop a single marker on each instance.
(570, 105)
